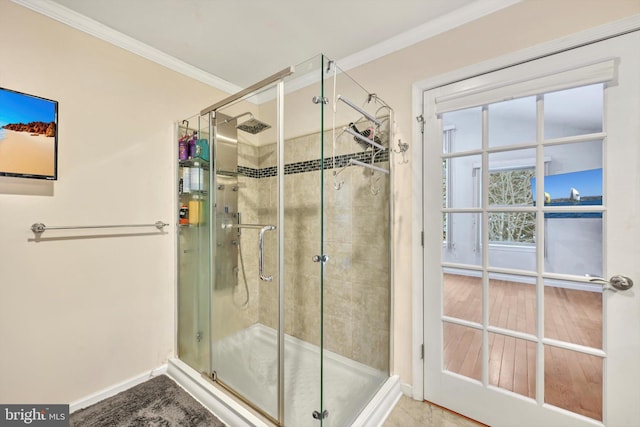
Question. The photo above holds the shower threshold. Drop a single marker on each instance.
(246, 361)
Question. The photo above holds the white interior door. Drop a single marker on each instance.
(531, 192)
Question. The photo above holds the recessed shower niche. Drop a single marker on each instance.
(284, 281)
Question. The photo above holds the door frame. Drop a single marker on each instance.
(590, 36)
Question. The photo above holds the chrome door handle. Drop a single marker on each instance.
(618, 281)
(261, 252)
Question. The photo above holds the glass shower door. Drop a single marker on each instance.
(267, 295)
(245, 291)
(193, 244)
(356, 238)
(304, 265)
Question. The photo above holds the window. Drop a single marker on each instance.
(508, 188)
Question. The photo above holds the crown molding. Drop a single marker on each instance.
(442, 24)
(415, 35)
(87, 25)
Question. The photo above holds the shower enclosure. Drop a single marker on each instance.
(284, 277)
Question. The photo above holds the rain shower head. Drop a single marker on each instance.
(252, 126)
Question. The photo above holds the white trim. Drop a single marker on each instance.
(87, 25)
(115, 389)
(550, 80)
(407, 389)
(418, 88)
(506, 165)
(513, 247)
(417, 271)
(630, 23)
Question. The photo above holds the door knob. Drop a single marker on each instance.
(618, 281)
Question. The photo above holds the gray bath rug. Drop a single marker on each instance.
(159, 402)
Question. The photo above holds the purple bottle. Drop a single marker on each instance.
(183, 149)
(192, 145)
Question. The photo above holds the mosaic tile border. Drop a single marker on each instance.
(313, 165)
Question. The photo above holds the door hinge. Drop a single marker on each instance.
(320, 258)
(422, 351)
(422, 239)
(420, 120)
(320, 416)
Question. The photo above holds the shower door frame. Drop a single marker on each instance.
(278, 79)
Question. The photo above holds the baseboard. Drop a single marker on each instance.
(113, 390)
(407, 389)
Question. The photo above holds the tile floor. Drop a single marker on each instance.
(410, 413)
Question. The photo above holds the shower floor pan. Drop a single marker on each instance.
(247, 362)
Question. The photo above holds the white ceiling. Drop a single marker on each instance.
(239, 42)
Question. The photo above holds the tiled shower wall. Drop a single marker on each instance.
(356, 239)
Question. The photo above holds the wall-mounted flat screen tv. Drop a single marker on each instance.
(28, 136)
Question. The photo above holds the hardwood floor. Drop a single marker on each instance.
(572, 380)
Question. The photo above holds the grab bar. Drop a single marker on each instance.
(263, 229)
(253, 226)
(261, 248)
(39, 227)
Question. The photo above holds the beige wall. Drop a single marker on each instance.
(520, 26)
(79, 315)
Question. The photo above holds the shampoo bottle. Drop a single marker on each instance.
(195, 210)
(183, 149)
(184, 214)
(186, 180)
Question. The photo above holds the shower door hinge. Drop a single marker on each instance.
(422, 351)
(320, 258)
(318, 416)
(422, 239)
(420, 120)
(320, 99)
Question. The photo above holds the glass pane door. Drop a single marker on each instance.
(529, 189)
(504, 236)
